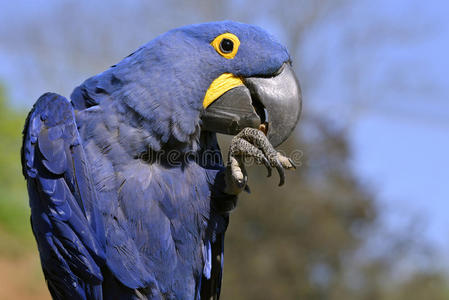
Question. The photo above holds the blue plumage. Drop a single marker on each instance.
(65, 222)
(116, 215)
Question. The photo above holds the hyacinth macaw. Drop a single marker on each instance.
(128, 193)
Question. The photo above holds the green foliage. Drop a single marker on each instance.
(14, 211)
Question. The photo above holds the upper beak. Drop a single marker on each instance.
(272, 104)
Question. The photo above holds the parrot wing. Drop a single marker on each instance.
(64, 218)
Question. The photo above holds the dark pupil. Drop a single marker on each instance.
(226, 46)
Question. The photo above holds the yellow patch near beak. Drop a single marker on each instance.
(219, 86)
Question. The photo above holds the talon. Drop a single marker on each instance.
(267, 165)
(281, 173)
(285, 161)
(292, 163)
(251, 142)
(247, 189)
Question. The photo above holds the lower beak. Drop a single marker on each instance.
(272, 104)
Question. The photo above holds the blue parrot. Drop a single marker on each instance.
(129, 195)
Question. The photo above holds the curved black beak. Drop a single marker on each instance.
(271, 103)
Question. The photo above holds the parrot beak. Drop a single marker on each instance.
(271, 104)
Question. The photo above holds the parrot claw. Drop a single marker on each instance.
(267, 165)
(281, 172)
(247, 189)
(286, 162)
(252, 143)
(292, 163)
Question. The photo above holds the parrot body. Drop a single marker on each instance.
(128, 193)
(161, 205)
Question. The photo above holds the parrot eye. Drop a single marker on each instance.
(226, 44)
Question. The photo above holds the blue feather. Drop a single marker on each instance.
(67, 243)
(126, 201)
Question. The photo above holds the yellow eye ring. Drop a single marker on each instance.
(226, 44)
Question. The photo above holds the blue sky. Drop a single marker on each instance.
(398, 121)
(402, 145)
(398, 133)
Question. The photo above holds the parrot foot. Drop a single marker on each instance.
(252, 143)
(286, 162)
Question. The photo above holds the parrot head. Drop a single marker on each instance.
(220, 77)
(250, 79)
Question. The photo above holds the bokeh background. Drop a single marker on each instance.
(363, 217)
